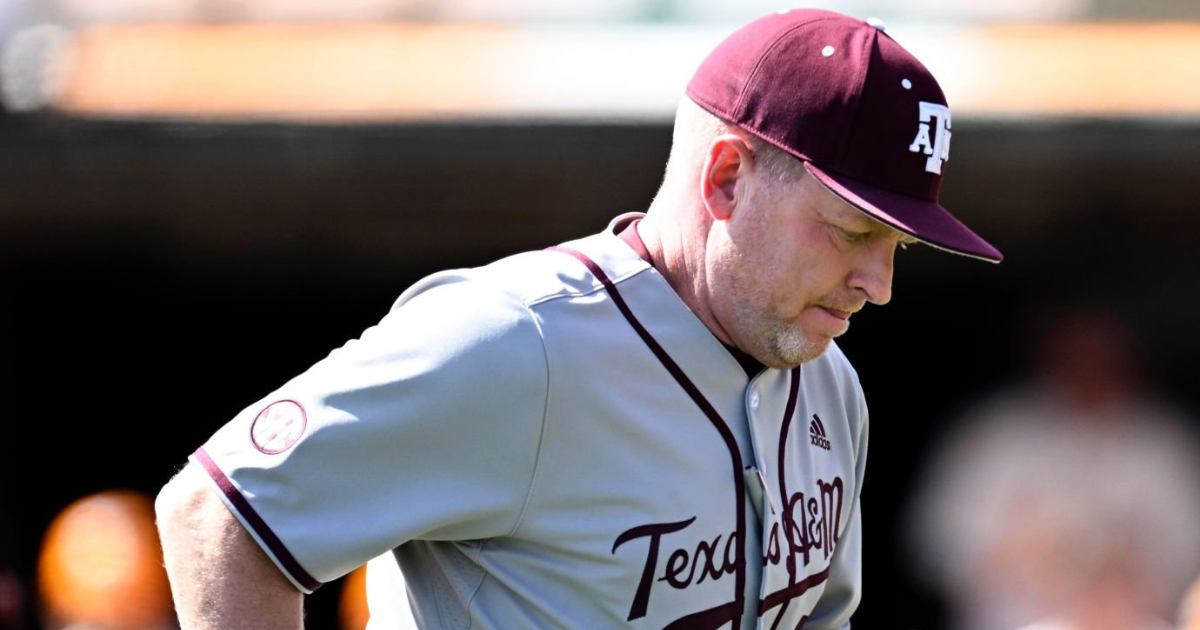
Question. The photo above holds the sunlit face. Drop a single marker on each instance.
(791, 265)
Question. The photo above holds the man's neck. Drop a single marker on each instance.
(643, 237)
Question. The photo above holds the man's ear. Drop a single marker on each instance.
(727, 162)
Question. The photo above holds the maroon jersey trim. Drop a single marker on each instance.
(784, 596)
(256, 522)
(718, 616)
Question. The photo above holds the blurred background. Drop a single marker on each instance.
(200, 198)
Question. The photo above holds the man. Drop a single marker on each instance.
(648, 427)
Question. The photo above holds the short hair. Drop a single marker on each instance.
(695, 127)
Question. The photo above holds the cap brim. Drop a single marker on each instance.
(926, 221)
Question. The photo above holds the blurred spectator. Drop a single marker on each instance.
(1068, 502)
(352, 604)
(101, 568)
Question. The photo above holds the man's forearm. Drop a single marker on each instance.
(220, 578)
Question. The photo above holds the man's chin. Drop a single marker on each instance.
(792, 353)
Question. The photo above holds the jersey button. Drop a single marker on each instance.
(754, 400)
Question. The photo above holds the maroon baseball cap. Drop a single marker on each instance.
(867, 119)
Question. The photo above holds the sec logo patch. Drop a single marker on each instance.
(278, 426)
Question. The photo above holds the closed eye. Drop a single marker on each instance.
(851, 236)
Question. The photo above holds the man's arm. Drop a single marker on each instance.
(220, 578)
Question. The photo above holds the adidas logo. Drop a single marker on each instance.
(816, 433)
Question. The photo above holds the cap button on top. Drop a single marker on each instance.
(877, 23)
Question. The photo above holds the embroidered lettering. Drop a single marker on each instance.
(655, 531)
(808, 524)
(937, 147)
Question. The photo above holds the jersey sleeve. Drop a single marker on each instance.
(426, 427)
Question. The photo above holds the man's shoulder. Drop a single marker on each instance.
(536, 276)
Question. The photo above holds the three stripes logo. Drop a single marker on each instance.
(816, 433)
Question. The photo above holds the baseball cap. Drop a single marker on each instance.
(868, 120)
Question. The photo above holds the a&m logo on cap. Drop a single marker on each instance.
(938, 147)
(278, 427)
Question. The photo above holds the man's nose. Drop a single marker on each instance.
(873, 274)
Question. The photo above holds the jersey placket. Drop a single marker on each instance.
(772, 402)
